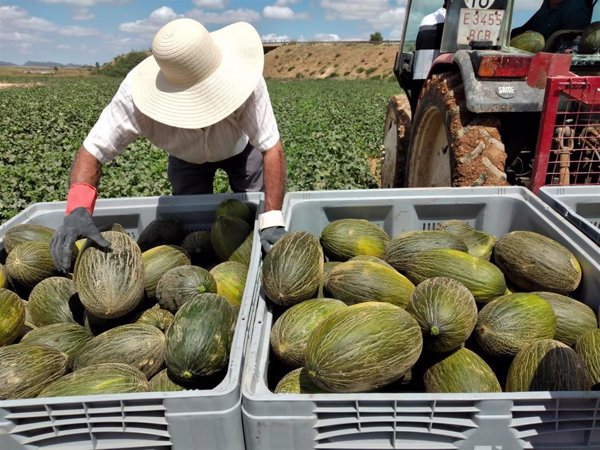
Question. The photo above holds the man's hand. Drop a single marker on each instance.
(78, 224)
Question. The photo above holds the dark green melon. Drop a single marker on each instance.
(27, 369)
(509, 323)
(231, 281)
(26, 232)
(573, 318)
(157, 317)
(138, 344)
(180, 283)
(110, 283)
(243, 253)
(227, 234)
(67, 338)
(402, 248)
(547, 365)
(161, 231)
(162, 382)
(344, 238)
(529, 41)
(359, 281)
(446, 312)
(50, 300)
(534, 262)
(297, 382)
(291, 330)
(109, 378)
(588, 348)
(478, 243)
(482, 278)
(158, 261)
(590, 39)
(12, 316)
(29, 263)
(233, 207)
(293, 269)
(197, 245)
(199, 340)
(363, 347)
(461, 371)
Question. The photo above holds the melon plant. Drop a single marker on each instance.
(161, 231)
(12, 316)
(446, 312)
(227, 234)
(162, 382)
(158, 261)
(107, 378)
(344, 238)
(297, 382)
(50, 301)
(534, 262)
(461, 371)
(363, 347)
(547, 365)
(25, 232)
(178, 284)
(291, 330)
(67, 338)
(29, 263)
(509, 323)
(292, 271)
(110, 283)
(230, 277)
(478, 243)
(588, 348)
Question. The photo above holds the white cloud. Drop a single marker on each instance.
(354, 9)
(77, 31)
(285, 2)
(211, 4)
(282, 12)
(85, 3)
(225, 17)
(83, 14)
(272, 37)
(327, 37)
(152, 24)
(10, 13)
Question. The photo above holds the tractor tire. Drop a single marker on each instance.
(396, 137)
(450, 146)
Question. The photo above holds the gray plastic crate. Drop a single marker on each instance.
(192, 419)
(500, 421)
(580, 205)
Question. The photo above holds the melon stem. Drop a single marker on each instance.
(434, 330)
(201, 289)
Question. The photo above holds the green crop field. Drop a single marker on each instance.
(331, 131)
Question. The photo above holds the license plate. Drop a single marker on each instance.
(479, 25)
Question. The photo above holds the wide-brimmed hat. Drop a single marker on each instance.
(195, 78)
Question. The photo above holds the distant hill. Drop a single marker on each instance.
(48, 64)
(5, 64)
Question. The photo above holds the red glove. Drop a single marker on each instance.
(81, 195)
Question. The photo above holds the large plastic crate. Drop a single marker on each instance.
(580, 205)
(186, 420)
(499, 421)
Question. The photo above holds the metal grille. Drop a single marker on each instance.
(569, 135)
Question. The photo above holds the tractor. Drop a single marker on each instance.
(491, 114)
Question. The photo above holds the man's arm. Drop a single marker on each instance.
(85, 169)
(274, 175)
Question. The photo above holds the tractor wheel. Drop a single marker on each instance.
(396, 136)
(450, 146)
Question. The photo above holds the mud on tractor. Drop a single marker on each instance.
(491, 114)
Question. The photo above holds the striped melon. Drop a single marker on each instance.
(29, 263)
(529, 41)
(12, 316)
(162, 382)
(233, 207)
(26, 232)
(344, 238)
(3, 277)
(371, 258)
(478, 243)
(50, 301)
(108, 378)
(588, 348)
(161, 231)
(293, 269)
(158, 261)
(180, 283)
(243, 253)
(157, 317)
(28, 325)
(227, 234)
(363, 347)
(67, 338)
(231, 281)
(297, 382)
(110, 282)
(197, 245)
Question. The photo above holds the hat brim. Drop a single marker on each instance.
(205, 103)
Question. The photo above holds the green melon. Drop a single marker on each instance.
(157, 317)
(590, 39)
(547, 365)
(161, 231)
(573, 318)
(231, 281)
(29, 263)
(197, 245)
(482, 278)
(534, 262)
(529, 41)
(478, 243)
(158, 261)
(363, 347)
(233, 207)
(138, 344)
(362, 281)
(50, 300)
(199, 340)
(293, 269)
(108, 378)
(26, 232)
(509, 323)
(178, 284)
(291, 330)
(28, 325)
(402, 248)
(27, 369)
(162, 382)
(12, 316)
(3, 277)
(67, 338)
(327, 266)
(370, 258)
(227, 234)
(588, 348)
(446, 312)
(461, 371)
(297, 382)
(344, 238)
(110, 283)
(243, 253)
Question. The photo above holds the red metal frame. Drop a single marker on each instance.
(568, 146)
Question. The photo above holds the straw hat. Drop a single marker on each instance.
(195, 78)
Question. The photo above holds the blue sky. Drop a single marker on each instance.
(90, 31)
